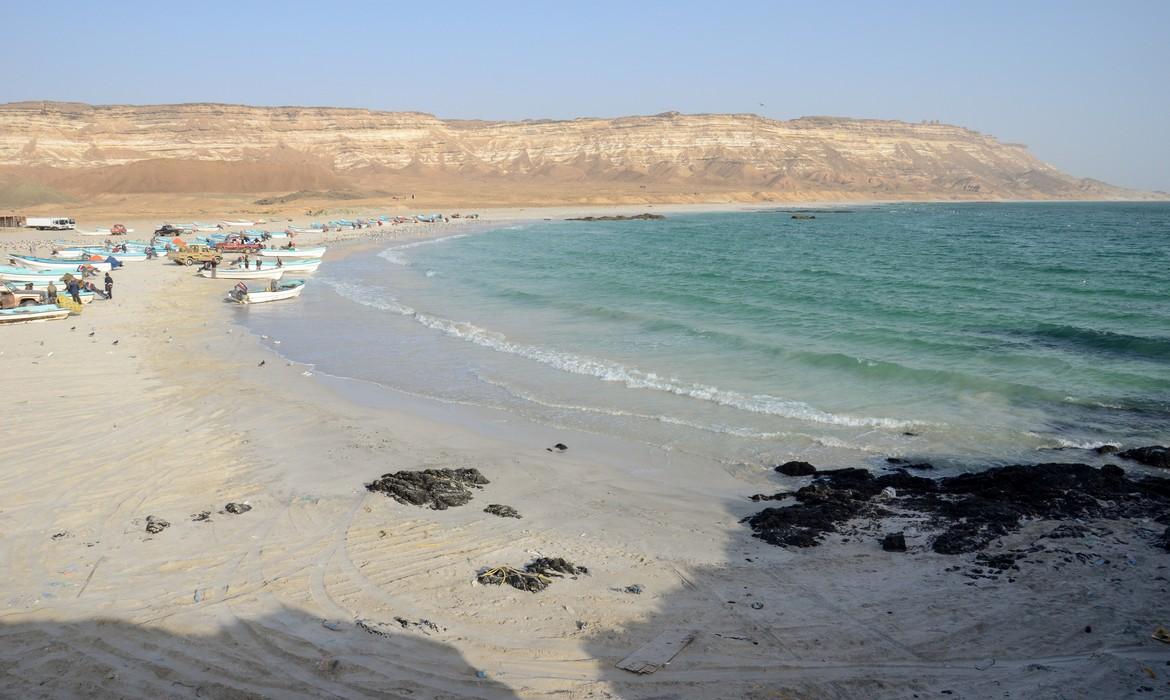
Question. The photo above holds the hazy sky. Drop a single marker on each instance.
(1084, 84)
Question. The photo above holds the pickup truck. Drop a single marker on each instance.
(235, 244)
(13, 295)
(191, 254)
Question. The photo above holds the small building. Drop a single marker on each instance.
(11, 221)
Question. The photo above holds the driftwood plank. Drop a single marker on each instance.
(657, 652)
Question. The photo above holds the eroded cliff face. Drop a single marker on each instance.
(229, 148)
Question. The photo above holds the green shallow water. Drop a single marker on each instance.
(985, 330)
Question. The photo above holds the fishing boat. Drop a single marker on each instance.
(79, 253)
(299, 229)
(12, 273)
(32, 314)
(239, 273)
(229, 224)
(300, 265)
(283, 290)
(292, 252)
(115, 230)
(34, 263)
(121, 256)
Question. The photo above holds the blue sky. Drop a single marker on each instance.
(1084, 84)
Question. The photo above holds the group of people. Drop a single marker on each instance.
(74, 286)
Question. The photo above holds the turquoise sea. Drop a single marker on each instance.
(962, 333)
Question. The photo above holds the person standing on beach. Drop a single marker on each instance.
(74, 290)
(52, 292)
(109, 286)
(259, 262)
(214, 267)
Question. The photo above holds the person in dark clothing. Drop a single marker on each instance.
(74, 290)
(51, 292)
(109, 286)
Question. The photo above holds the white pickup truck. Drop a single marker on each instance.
(51, 223)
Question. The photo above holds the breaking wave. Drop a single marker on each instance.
(609, 371)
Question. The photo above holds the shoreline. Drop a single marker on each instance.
(180, 417)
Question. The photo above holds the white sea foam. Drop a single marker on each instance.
(610, 371)
(1082, 445)
(393, 254)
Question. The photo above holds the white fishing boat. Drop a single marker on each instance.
(275, 292)
(22, 275)
(299, 265)
(230, 224)
(239, 273)
(32, 314)
(292, 252)
(116, 230)
(62, 266)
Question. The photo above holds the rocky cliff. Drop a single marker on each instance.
(86, 149)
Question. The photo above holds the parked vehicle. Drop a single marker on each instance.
(50, 223)
(169, 231)
(12, 296)
(236, 244)
(191, 254)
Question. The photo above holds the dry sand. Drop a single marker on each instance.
(180, 417)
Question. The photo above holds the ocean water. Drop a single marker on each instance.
(961, 333)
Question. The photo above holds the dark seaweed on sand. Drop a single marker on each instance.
(437, 488)
(970, 511)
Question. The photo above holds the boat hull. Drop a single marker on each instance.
(32, 314)
(61, 266)
(274, 273)
(288, 290)
(294, 253)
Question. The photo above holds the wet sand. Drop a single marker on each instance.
(188, 412)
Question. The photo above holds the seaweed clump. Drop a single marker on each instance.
(438, 489)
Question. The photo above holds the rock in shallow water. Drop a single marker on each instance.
(796, 469)
(1152, 456)
(894, 542)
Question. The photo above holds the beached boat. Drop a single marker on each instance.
(80, 253)
(300, 265)
(238, 273)
(238, 223)
(12, 273)
(116, 230)
(62, 266)
(283, 290)
(298, 229)
(32, 314)
(292, 252)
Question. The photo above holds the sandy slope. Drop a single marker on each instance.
(179, 417)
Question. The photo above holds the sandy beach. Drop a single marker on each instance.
(159, 404)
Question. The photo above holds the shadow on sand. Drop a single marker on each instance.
(285, 655)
